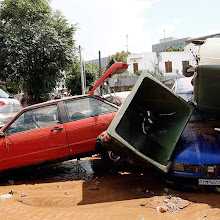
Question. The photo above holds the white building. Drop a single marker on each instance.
(169, 64)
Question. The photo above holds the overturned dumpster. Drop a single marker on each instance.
(149, 124)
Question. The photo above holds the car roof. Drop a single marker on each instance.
(54, 101)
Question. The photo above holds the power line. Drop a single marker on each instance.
(89, 53)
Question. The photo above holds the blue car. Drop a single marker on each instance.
(196, 158)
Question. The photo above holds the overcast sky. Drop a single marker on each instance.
(104, 24)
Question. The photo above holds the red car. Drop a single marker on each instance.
(59, 129)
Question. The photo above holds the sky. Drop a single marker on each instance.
(113, 26)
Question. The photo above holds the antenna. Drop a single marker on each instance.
(164, 32)
(127, 42)
(195, 57)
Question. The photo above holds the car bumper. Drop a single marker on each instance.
(189, 178)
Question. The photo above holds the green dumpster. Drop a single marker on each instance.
(149, 123)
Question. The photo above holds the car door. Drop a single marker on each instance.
(87, 118)
(36, 135)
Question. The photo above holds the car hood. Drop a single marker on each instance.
(198, 144)
(113, 68)
(149, 124)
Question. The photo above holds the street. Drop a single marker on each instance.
(66, 191)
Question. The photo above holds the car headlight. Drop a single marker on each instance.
(177, 166)
(187, 167)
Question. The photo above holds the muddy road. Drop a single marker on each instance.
(66, 191)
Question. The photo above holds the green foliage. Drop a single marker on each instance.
(155, 74)
(171, 49)
(36, 46)
(152, 73)
(119, 56)
(122, 75)
(138, 72)
(73, 80)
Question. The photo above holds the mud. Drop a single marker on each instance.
(66, 191)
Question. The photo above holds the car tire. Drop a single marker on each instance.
(185, 73)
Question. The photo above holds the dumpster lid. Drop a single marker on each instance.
(114, 67)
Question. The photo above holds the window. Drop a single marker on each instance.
(114, 100)
(41, 117)
(168, 67)
(87, 107)
(185, 63)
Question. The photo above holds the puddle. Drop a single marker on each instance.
(65, 171)
(72, 170)
(5, 196)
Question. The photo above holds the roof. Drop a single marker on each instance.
(201, 38)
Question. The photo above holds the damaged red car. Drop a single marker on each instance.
(60, 129)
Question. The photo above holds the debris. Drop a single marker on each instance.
(11, 182)
(167, 190)
(69, 193)
(95, 179)
(142, 205)
(23, 194)
(139, 191)
(161, 209)
(5, 196)
(94, 188)
(204, 216)
(149, 191)
(12, 192)
(172, 203)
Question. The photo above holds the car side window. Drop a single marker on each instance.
(87, 107)
(42, 117)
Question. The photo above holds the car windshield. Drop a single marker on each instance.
(4, 94)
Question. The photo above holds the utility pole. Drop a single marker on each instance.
(100, 71)
(84, 72)
(81, 70)
(127, 43)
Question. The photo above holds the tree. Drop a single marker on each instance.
(171, 49)
(73, 80)
(120, 56)
(36, 46)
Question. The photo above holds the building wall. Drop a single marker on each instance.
(122, 83)
(156, 62)
(176, 43)
(104, 61)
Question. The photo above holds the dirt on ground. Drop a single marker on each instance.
(93, 191)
